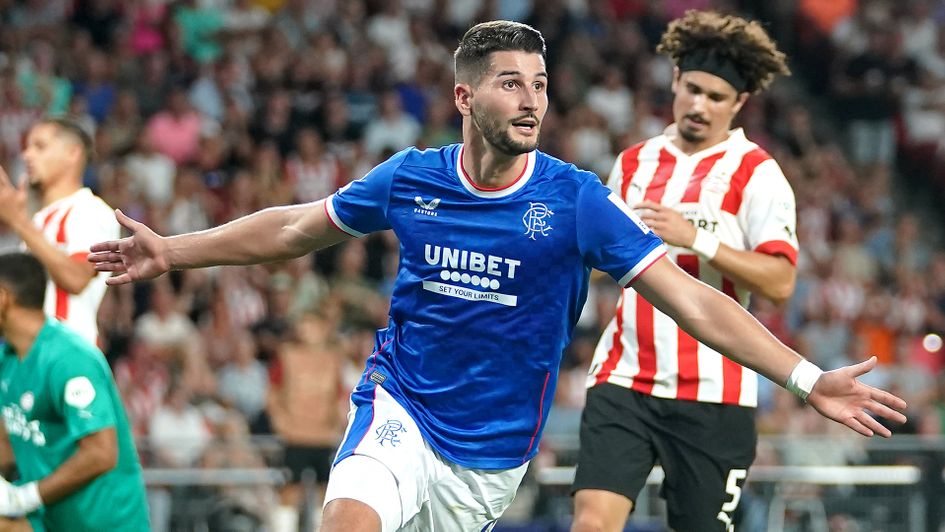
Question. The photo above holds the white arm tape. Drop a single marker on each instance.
(706, 245)
(803, 378)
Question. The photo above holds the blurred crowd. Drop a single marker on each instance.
(206, 110)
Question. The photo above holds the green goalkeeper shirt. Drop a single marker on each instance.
(59, 393)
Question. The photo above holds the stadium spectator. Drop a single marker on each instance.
(244, 382)
(306, 408)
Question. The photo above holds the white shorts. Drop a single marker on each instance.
(410, 486)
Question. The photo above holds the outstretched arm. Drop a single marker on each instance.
(719, 322)
(273, 234)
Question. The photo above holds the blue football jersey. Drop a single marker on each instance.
(490, 285)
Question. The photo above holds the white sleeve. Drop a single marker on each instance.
(616, 176)
(768, 213)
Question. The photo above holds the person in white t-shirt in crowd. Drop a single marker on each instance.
(71, 219)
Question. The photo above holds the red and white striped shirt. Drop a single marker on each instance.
(73, 224)
(738, 192)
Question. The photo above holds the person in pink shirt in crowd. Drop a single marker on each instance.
(175, 130)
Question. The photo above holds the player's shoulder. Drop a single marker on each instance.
(562, 171)
(753, 153)
(634, 149)
(412, 160)
(63, 346)
(438, 157)
(92, 204)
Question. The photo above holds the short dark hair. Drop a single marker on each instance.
(745, 43)
(471, 59)
(24, 276)
(70, 125)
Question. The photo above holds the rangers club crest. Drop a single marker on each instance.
(535, 220)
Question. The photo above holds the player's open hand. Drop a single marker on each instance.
(138, 257)
(667, 223)
(840, 397)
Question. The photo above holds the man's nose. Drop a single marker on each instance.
(699, 102)
(529, 101)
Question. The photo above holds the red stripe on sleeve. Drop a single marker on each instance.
(616, 348)
(731, 371)
(778, 247)
(61, 234)
(664, 171)
(688, 347)
(48, 217)
(733, 198)
(330, 219)
(62, 297)
(694, 189)
(629, 162)
(643, 381)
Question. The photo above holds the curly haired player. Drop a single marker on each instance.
(726, 211)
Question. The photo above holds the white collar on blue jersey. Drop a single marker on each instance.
(495, 192)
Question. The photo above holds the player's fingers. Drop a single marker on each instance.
(884, 411)
(888, 399)
(871, 423)
(863, 367)
(648, 204)
(103, 247)
(856, 425)
(118, 279)
(128, 223)
(104, 257)
(110, 266)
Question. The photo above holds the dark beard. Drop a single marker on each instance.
(497, 135)
(689, 136)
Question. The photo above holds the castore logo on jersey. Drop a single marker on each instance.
(425, 208)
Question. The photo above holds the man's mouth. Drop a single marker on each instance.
(697, 120)
(526, 125)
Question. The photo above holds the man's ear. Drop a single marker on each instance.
(675, 82)
(462, 93)
(76, 152)
(740, 102)
(5, 301)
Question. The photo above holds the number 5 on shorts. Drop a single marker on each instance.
(733, 489)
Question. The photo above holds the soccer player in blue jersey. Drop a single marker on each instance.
(497, 241)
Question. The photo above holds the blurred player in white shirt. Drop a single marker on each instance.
(722, 204)
(70, 220)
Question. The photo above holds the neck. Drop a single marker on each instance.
(689, 148)
(489, 168)
(21, 326)
(61, 189)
